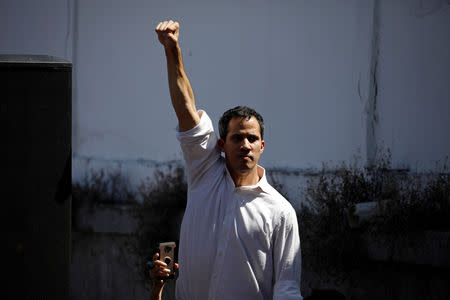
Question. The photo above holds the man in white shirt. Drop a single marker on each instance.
(239, 238)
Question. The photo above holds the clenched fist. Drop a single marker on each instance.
(168, 32)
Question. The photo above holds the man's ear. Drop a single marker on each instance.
(263, 144)
(221, 144)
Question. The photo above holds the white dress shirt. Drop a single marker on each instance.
(236, 243)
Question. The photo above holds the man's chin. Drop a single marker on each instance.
(243, 166)
(246, 166)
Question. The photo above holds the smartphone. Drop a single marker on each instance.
(167, 255)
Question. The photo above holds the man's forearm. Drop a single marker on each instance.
(156, 293)
(180, 89)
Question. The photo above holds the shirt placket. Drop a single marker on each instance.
(225, 232)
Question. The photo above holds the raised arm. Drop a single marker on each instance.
(180, 89)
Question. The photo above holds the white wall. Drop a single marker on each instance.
(36, 27)
(414, 81)
(289, 60)
(305, 65)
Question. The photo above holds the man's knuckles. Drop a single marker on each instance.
(167, 25)
(160, 262)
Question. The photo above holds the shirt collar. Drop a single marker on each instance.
(261, 186)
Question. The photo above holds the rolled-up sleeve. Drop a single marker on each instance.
(287, 258)
(200, 150)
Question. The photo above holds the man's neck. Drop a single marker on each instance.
(245, 178)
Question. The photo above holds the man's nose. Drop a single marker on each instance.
(245, 144)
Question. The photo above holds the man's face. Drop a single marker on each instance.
(243, 145)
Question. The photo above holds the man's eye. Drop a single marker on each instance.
(252, 139)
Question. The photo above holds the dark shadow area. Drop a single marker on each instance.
(325, 295)
(36, 106)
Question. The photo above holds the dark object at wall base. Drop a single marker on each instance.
(35, 116)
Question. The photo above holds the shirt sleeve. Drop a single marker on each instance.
(287, 258)
(200, 149)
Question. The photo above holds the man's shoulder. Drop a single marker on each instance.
(274, 194)
(280, 204)
(284, 214)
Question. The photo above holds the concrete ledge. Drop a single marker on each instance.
(106, 218)
(420, 248)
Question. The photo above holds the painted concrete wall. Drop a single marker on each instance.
(413, 102)
(330, 77)
(239, 53)
(36, 27)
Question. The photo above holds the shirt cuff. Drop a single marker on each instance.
(202, 128)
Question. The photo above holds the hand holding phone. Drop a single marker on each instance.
(167, 255)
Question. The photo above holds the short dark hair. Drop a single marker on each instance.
(240, 112)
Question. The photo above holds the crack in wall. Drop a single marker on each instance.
(371, 104)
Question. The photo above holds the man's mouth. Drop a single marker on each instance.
(246, 157)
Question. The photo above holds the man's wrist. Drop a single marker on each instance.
(174, 56)
(172, 48)
(157, 285)
(157, 288)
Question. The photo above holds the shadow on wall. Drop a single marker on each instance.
(116, 232)
(407, 232)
